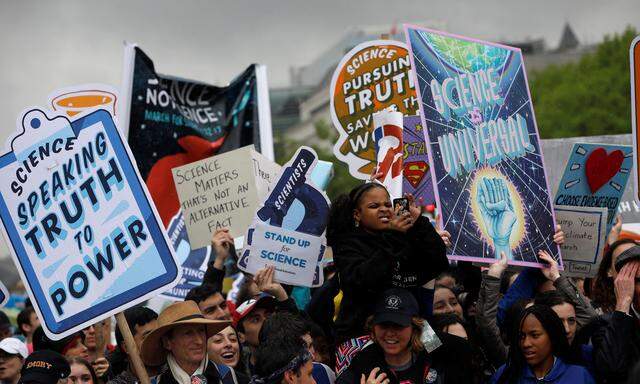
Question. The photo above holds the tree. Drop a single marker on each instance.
(589, 97)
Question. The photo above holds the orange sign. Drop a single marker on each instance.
(372, 76)
(84, 98)
(634, 58)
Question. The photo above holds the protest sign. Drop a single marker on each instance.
(415, 162)
(175, 121)
(634, 61)
(371, 77)
(596, 176)
(388, 142)
(4, 295)
(288, 231)
(584, 239)
(83, 231)
(483, 145)
(223, 191)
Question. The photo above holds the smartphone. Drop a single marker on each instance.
(403, 203)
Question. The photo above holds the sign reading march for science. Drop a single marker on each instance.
(83, 232)
(483, 145)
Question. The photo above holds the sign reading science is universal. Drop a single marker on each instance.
(372, 76)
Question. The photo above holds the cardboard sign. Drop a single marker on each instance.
(584, 239)
(634, 61)
(483, 145)
(83, 232)
(371, 77)
(596, 176)
(222, 191)
(289, 227)
(416, 172)
(388, 139)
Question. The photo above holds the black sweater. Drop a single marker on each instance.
(369, 263)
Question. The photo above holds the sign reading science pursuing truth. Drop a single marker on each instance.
(373, 76)
(84, 234)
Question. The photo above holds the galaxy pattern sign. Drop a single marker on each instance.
(596, 175)
(415, 162)
(83, 231)
(483, 144)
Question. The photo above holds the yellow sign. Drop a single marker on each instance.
(372, 76)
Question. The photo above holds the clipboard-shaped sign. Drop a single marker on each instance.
(83, 231)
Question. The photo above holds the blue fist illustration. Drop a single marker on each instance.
(497, 212)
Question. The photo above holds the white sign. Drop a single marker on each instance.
(222, 191)
(83, 232)
(288, 231)
(584, 232)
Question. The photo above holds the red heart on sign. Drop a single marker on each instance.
(600, 167)
(414, 172)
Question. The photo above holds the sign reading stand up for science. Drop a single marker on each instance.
(83, 232)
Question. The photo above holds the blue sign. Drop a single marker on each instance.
(289, 228)
(596, 176)
(85, 236)
(483, 146)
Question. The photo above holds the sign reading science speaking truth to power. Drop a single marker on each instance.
(83, 232)
(373, 76)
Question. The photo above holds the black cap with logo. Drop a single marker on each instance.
(396, 306)
(44, 367)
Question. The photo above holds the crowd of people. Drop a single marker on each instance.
(392, 310)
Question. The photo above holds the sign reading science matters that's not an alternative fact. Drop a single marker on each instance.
(223, 191)
(83, 232)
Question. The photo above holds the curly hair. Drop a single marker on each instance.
(341, 213)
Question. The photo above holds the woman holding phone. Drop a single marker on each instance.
(376, 248)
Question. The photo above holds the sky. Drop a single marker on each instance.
(53, 44)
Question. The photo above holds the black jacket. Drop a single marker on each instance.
(616, 347)
(448, 364)
(369, 263)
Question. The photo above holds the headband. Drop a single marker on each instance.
(293, 365)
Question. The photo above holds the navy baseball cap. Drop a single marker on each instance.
(44, 367)
(396, 306)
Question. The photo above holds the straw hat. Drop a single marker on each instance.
(180, 313)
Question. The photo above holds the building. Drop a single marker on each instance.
(315, 78)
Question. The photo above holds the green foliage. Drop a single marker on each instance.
(342, 181)
(589, 97)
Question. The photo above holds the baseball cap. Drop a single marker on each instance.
(44, 367)
(396, 306)
(242, 310)
(630, 254)
(13, 346)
